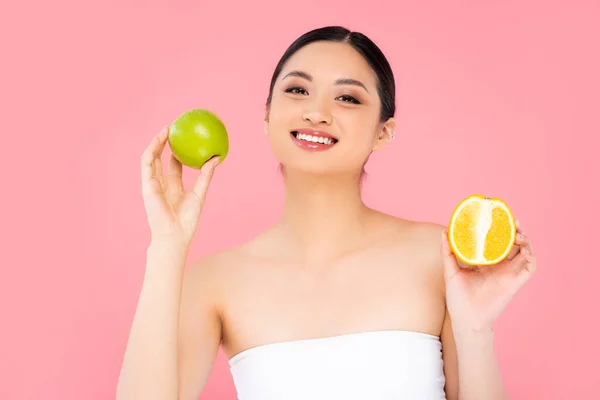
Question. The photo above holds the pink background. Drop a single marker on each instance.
(494, 97)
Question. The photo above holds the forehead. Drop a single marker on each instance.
(327, 61)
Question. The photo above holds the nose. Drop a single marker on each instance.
(317, 113)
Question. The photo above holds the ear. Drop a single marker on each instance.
(386, 134)
(266, 120)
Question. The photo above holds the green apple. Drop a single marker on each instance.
(196, 136)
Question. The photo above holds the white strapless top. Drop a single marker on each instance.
(367, 366)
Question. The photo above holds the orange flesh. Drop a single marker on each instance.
(482, 231)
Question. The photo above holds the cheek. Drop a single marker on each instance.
(278, 133)
(278, 129)
(280, 115)
(361, 130)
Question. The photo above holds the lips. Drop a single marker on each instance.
(310, 139)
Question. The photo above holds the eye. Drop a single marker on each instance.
(295, 90)
(349, 99)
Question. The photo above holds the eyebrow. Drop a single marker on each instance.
(340, 81)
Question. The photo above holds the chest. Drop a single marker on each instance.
(272, 303)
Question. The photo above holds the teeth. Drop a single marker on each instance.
(314, 139)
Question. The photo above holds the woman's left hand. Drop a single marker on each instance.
(476, 296)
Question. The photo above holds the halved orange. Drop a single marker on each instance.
(482, 230)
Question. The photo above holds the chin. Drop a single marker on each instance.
(320, 167)
(294, 157)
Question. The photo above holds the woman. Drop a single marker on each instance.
(334, 301)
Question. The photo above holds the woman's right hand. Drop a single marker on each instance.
(172, 211)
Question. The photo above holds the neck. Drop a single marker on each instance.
(324, 214)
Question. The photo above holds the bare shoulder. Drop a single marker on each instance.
(216, 274)
(200, 330)
(211, 270)
(419, 241)
(425, 237)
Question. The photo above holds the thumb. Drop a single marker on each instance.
(451, 267)
(194, 200)
(206, 174)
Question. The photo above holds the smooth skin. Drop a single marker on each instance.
(330, 266)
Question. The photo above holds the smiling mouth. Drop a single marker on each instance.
(314, 138)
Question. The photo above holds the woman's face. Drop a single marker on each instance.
(325, 110)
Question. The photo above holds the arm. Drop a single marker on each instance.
(200, 328)
(156, 364)
(475, 297)
(470, 365)
(149, 369)
(176, 332)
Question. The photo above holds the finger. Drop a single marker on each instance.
(193, 202)
(206, 174)
(523, 242)
(516, 246)
(524, 265)
(149, 157)
(151, 163)
(515, 249)
(531, 261)
(157, 167)
(162, 137)
(175, 170)
(174, 179)
(451, 267)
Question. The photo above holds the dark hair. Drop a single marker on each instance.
(386, 85)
